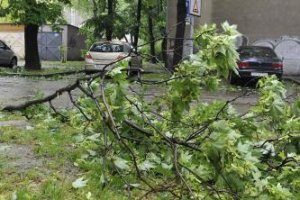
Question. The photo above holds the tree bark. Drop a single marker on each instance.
(32, 58)
(151, 38)
(164, 52)
(180, 30)
(138, 22)
(110, 12)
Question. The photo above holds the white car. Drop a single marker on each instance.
(102, 54)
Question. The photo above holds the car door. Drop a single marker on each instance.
(2, 52)
(5, 54)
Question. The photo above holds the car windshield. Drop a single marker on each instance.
(256, 52)
(107, 48)
(2, 45)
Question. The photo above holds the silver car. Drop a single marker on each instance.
(7, 56)
(104, 53)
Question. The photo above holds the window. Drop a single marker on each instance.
(107, 48)
(256, 52)
(2, 45)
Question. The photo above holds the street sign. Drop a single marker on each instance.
(195, 7)
(187, 8)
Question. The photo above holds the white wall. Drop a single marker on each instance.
(15, 40)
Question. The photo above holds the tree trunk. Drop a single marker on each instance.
(180, 30)
(95, 14)
(32, 59)
(138, 22)
(109, 29)
(164, 52)
(151, 39)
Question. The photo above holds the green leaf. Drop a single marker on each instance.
(146, 165)
(121, 163)
(79, 183)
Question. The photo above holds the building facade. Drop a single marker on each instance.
(272, 23)
(67, 43)
(256, 19)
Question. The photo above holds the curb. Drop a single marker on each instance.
(295, 79)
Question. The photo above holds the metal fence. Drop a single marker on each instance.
(49, 45)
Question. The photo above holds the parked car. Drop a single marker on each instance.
(7, 56)
(255, 62)
(103, 53)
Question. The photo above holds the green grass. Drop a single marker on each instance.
(48, 67)
(70, 65)
(54, 145)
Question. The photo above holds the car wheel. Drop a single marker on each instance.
(231, 78)
(13, 63)
(279, 77)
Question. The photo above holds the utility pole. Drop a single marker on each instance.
(187, 23)
(189, 32)
(170, 32)
(193, 10)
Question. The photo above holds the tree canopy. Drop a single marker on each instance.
(35, 12)
(177, 146)
(32, 14)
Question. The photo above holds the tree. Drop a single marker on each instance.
(180, 30)
(32, 14)
(155, 21)
(137, 23)
(115, 19)
(151, 38)
(179, 147)
(110, 14)
(103, 18)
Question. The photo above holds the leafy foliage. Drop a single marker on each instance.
(35, 12)
(179, 147)
(123, 20)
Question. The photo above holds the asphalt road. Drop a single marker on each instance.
(15, 90)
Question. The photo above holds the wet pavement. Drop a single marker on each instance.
(16, 90)
(295, 79)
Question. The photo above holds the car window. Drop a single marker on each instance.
(107, 48)
(2, 45)
(256, 52)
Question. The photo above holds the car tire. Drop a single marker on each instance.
(231, 78)
(13, 63)
(279, 77)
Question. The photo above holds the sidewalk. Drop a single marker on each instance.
(295, 79)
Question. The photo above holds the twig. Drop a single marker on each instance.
(42, 100)
(50, 75)
(111, 118)
(134, 126)
(178, 174)
(78, 107)
(56, 112)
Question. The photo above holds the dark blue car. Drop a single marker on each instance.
(256, 62)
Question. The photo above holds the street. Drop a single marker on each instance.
(16, 90)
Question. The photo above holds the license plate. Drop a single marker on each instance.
(257, 74)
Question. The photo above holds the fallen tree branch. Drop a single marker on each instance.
(132, 125)
(56, 112)
(78, 107)
(50, 75)
(42, 100)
